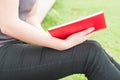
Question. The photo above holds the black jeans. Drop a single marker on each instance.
(20, 61)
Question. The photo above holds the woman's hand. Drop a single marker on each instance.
(79, 37)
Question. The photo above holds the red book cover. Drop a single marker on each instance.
(96, 20)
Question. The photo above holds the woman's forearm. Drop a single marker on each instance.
(34, 21)
(27, 33)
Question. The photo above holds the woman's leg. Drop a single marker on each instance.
(28, 62)
(113, 61)
(44, 7)
(110, 58)
(101, 67)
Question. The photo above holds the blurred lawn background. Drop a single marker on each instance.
(68, 10)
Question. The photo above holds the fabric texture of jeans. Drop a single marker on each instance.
(21, 61)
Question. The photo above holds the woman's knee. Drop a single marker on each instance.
(89, 45)
(93, 49)
(93, 43)
(89, 49)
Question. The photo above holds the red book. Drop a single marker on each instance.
(96, 20)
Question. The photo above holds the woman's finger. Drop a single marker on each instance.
(87, 31)
(86, 37)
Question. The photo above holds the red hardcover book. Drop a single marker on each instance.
(96, 20)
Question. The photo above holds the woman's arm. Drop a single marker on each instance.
(39, 11)
(11, 25)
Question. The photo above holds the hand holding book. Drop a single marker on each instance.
(96, 20)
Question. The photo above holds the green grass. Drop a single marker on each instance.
(68, 10)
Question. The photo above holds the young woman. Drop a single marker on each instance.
(29, 53)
